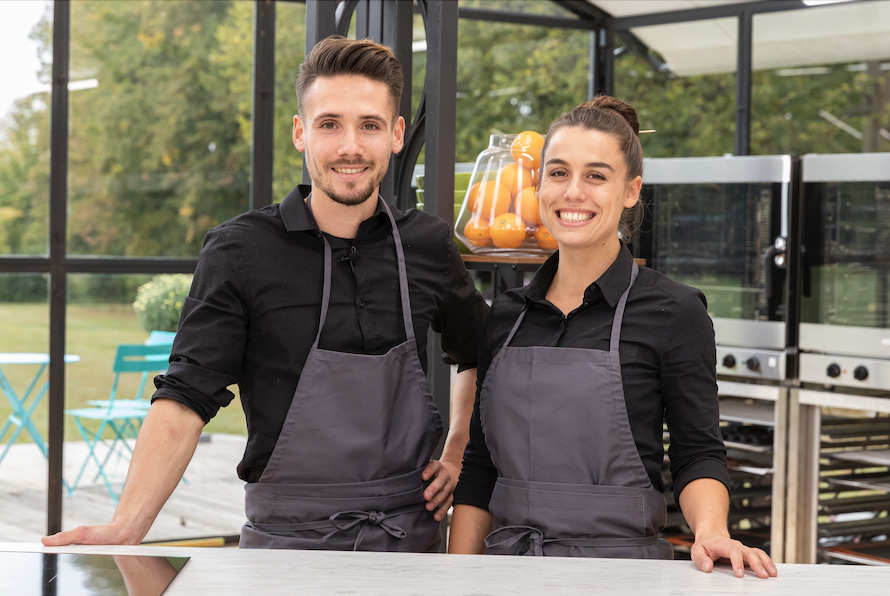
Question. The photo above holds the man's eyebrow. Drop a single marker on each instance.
(593, 164)
(336, 116)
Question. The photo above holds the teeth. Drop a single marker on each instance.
(574, 216)
(349, 170)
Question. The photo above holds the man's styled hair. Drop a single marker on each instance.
(336, 55)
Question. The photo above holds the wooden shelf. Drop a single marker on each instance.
(507, 260)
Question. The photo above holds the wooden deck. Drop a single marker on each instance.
(211, 504)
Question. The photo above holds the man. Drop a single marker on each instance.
(319, 309)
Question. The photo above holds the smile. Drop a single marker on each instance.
(349, 170)
(574, 216)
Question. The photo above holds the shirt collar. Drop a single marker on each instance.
(296, 214)
(611, 284)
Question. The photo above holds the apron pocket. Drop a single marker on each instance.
(576, 511)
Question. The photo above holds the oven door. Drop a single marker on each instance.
(845, 259)
(720, 224)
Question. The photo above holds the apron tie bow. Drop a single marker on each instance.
(367, 519)
(531, 537)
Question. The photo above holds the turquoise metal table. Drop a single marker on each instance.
(23, 405)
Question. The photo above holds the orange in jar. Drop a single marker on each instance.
(527, 207)
(489, 199)
(478, 232)
(507, 231)
(526, 149)
(545, 238)
(516, 178)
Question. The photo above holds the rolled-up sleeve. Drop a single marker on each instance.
(689, 386)
(462, 313)
(209, 346)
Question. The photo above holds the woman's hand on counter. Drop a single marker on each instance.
(715, 547)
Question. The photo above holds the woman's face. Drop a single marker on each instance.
(584, 188)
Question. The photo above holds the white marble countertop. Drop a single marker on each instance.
(224, 571)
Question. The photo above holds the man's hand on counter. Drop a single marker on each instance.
(714, 547)
(107, 534)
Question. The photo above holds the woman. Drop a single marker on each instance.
(577, 372)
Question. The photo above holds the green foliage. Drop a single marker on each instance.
(23, 288)
(159, 302)
(513, 78)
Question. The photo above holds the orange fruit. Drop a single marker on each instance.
(527, 207)
(477, 231)
(545, 238)
(526, 149)
(515, 178)
(507, 231)
(489, 199)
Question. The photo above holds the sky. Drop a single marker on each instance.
(19, 63)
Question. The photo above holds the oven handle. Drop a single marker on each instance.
(767, 271)
(774, 256)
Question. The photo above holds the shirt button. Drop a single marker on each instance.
(361, 304)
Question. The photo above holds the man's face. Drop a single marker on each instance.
(347, 134)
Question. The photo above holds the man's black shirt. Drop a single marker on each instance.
(253, 309)
(668, 368)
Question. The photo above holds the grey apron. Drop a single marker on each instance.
(345, 473)
(570, 479)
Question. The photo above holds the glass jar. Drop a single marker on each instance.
(499, 215)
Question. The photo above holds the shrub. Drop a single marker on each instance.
(159, 302)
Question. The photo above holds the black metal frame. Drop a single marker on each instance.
(389, 21)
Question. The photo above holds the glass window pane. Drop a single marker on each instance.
(100, 318)
(512, 78)
(290, 49)
(682, 82)
(821, 81)
(24, 347)
(521, 6)
(26, 33)
(160, 108)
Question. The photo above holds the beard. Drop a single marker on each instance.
(348, 193)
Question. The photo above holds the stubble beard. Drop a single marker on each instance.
(354, 194)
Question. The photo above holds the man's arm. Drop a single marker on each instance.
(164, 447)
(446, 471)
(705, 504)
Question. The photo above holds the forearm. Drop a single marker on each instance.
(469, 527)
(164, 447)
(705, 505)
(462, 397)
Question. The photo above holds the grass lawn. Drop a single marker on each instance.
(93, 333)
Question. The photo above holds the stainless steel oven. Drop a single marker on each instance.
(722, 224)
(839, 471)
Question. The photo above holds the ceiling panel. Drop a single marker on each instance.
(828, 34)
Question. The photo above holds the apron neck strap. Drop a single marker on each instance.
(403, 273)
(619, 311)
(403, 277)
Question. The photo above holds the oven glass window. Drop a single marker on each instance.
(846, 261)
(716, 237)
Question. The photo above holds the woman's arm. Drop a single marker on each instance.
(705, 505)
(469, 527)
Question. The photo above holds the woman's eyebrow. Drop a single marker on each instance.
(593, 164)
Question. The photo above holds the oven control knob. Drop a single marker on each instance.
(860, 373)
(753, 363)
(729, 361)
(834, 371)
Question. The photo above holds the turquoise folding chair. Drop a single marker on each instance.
(121, 417)
(155, 338)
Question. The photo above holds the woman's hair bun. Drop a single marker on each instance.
(623, 109)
